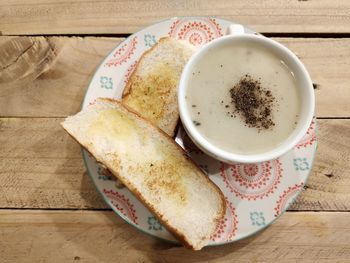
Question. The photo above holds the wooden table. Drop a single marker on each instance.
(50, 210)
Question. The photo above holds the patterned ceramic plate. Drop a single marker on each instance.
(256, 194)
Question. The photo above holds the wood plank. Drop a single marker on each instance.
(328, 185)
(89, 236)
(41, 167)
(123, 16)
(42, 76)
(48, 76)
(328, 62)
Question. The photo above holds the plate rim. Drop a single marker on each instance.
(127, 220)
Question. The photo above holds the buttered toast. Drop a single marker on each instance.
(153, 167)
(152, 88)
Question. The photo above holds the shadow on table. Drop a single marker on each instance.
(162, 251)
(101, 236)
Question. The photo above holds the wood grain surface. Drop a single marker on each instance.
(48, 76)
(42, 167)
(97, 236)
(41, 76)
(105, 17)
(43, 181)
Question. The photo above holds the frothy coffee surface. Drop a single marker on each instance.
(243, 98)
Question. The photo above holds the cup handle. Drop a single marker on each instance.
(235, 29)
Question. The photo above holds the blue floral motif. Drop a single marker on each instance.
(153, 223)
(257, 218)
(301, 164)
(102, 175)
(106, 82)
(105, 178)
(150, 40)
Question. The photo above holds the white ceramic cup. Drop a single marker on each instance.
(304, 83)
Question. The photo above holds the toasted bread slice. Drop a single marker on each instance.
(153, 167)
(152, 88)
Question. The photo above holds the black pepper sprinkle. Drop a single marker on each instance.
(196, 123)
(226, 106)
(198, 112)
(221, 65)
(193, 106)
(253, 103)
(151, 164)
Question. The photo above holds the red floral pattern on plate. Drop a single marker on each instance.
(227, 227)
(197, 32)
(129, 72)
(286, 198)
(123, 54)
(309, 138)
(252, 181)
(119, 66)
(122, 204)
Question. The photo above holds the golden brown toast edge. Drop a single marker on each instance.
(137, 193)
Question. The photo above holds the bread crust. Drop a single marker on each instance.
(127, 90)
(165, 116)
(180, 236)
(171, 140)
